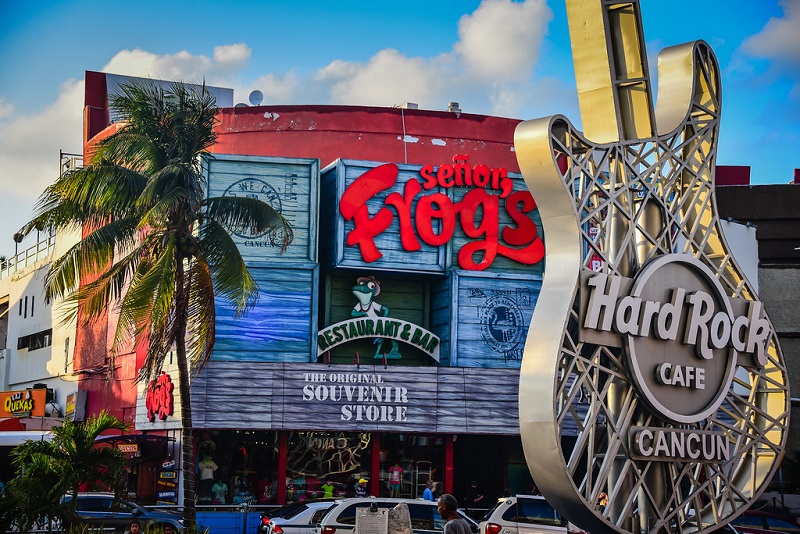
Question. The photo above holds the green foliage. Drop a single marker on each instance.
(47, 470)
(155, 243)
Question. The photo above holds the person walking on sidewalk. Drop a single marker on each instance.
(448, 509)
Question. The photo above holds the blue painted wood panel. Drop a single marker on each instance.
(490, 318)
(281, 326)
(442, 306)
(290, 185)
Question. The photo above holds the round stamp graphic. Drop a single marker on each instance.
(258, 189)
(503, 327)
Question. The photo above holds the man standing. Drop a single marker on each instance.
(427, 494)
(361, 489)
(475, 496)
(448, 509)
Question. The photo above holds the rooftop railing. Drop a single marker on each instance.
(28, 257)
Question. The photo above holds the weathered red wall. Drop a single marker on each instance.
(366, 133)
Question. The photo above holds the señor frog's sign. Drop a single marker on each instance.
(432, 217)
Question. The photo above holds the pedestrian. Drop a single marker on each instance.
(475, 496)
(602, 502)
(327, 489)
(395, 479)
(428, 493)
(168, 529)
(361, 489)
(135, 528)
(448, 509)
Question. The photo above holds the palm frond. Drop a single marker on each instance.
(200, 314)
(231, 278)
(92, 255)
(152, 298)
(252, 216)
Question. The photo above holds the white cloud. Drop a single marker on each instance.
(6, 109)
(779, 40)
(235, 55)
(29, 147)
(277, 89)
(501, 39)
(182, 66)
(489, 70)
(389, 78)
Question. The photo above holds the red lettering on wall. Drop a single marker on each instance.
(159, 400)
(478, 213)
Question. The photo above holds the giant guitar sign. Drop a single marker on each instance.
(646, 335)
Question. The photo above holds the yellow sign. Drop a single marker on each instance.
(128, 447)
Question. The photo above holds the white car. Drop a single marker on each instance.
(425, 518)
(525, 514)
(300, 518)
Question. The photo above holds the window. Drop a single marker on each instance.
(94, 504)
(39, 340)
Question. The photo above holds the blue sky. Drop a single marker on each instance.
(498, 57)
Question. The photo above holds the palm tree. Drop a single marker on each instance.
(47, 470)
(153, 243)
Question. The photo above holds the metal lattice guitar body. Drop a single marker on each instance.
(632, 236)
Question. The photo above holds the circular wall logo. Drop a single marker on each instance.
(502, 325)
(254, 188)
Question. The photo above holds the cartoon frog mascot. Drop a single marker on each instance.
(365, 290)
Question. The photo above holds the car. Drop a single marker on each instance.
(425, 518)
(760, 522)
(106, 510)
(525, 514)
(299, 518)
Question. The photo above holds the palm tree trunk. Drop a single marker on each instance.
(187, 437)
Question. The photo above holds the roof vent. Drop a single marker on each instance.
(408, 105)
(452, 107)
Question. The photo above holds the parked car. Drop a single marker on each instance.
(525, 514)
(758, 522)
(425, 518)
(300, 518)
(103, 509)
